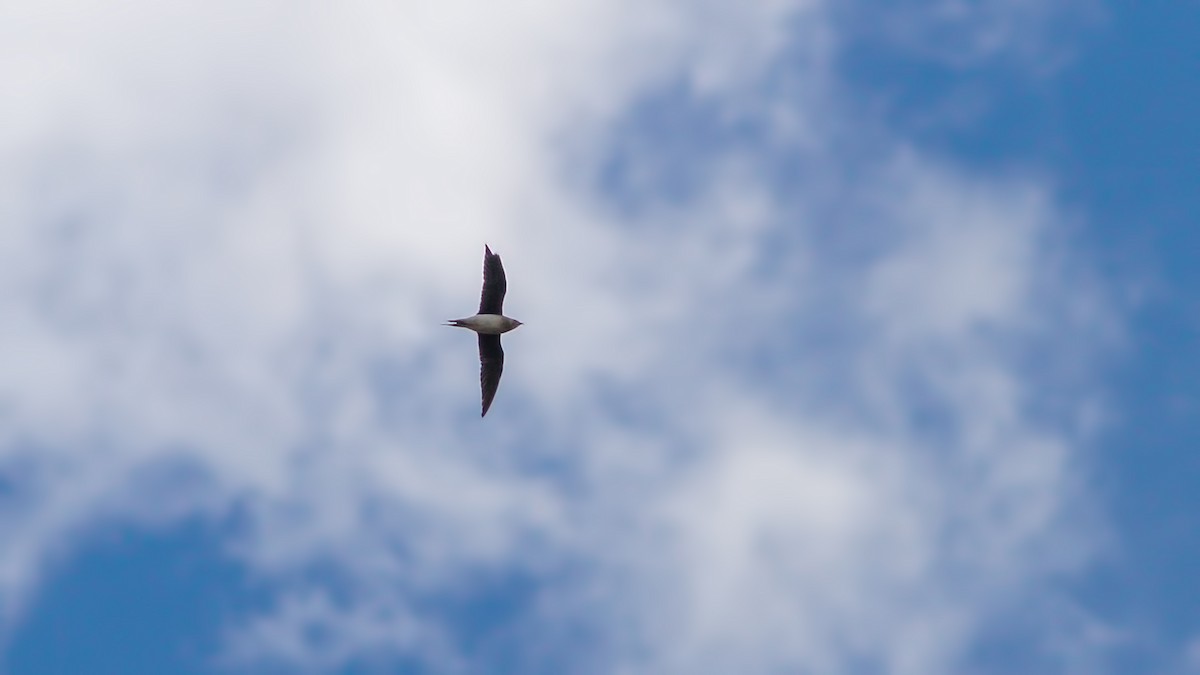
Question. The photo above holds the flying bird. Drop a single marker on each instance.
(489, 323)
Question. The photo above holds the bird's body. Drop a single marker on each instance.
(489, 323)
(486, 324)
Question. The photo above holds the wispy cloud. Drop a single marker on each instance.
(793, 414)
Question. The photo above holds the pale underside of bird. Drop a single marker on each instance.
(489, 323)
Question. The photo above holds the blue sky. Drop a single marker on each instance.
(860, 337)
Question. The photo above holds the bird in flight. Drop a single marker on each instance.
(489, 323)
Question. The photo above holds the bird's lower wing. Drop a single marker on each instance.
(491, 366)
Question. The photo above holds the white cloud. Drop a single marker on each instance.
(776, 423)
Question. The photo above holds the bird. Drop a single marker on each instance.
(489, 323)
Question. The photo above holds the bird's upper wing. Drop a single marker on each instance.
(491, 366)
(494, 284)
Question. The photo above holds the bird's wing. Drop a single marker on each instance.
(491, 366)
(494, 284)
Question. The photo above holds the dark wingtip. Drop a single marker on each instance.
(487, 249)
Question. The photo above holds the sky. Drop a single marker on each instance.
(860, 337)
